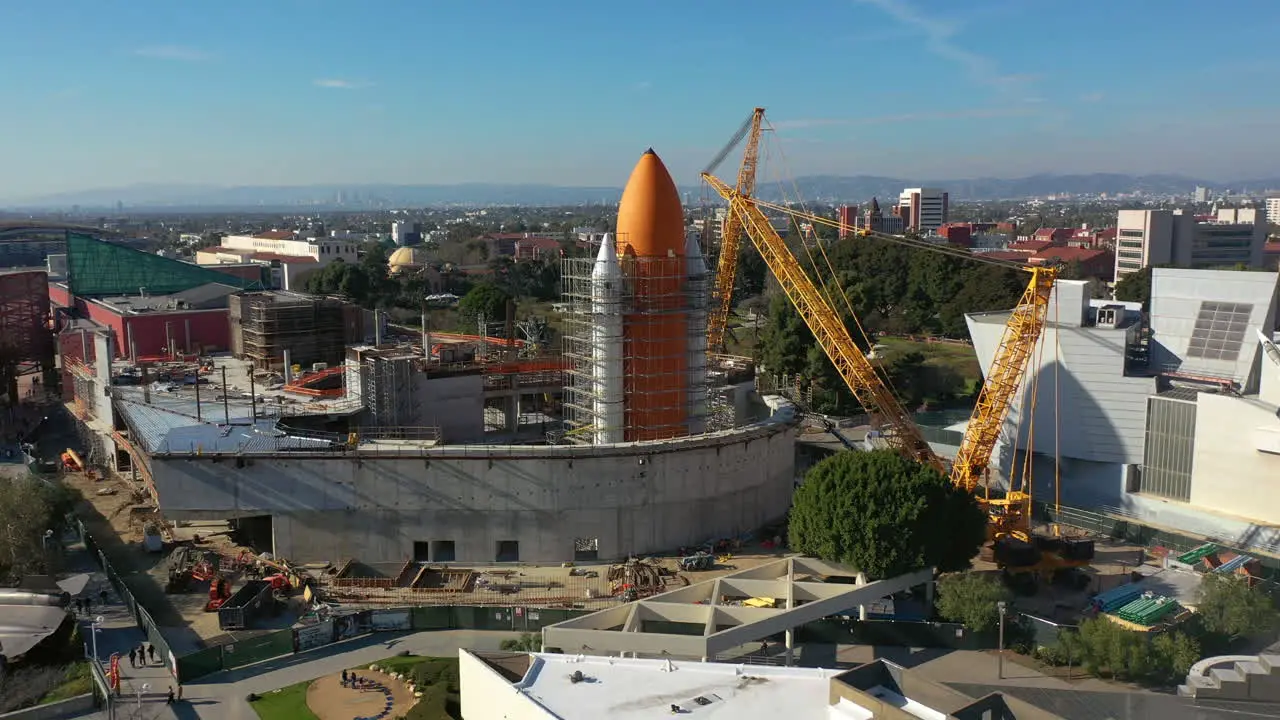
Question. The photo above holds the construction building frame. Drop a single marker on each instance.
(26, 340)
(310, 329)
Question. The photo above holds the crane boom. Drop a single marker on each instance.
(828, 329)
(1009, 366)
(1013, 355)
(731, 238)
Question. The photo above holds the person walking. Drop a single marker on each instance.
(151, 652)
(170, 700)
(142, 655)
(133, 657)
(102, 597)
(344, 678)
(87, 610)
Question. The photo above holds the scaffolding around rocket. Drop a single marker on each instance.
(640, 353)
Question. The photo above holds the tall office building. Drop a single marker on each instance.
(922, 209)
(1171, 237)
(1273, 210)
(847, 216)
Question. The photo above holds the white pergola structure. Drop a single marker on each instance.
(798, 585)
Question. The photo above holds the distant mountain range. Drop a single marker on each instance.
(828, 188)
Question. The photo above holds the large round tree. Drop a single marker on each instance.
(885, 515)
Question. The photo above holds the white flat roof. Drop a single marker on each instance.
(621, 688)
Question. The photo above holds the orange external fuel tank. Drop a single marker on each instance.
(655, 324)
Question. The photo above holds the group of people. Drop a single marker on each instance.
(138, 656)
(84, 605)
(351, 680)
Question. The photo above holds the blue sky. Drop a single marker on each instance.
(299, 92)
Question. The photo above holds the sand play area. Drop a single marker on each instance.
(329, 700)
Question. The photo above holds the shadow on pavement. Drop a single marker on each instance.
(248, 671)
(908, 657)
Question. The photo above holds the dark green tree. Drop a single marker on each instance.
(972, 598)
(785, 339)
(1230, 607)
(30, 508)
(1135, 287)
(885, 515)
(752, 271)
(485, 300)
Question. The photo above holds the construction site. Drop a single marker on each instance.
(275, 330)
(423, 446)
(436, 468)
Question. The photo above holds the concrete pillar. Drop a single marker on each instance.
(790, 641)
(512, 409)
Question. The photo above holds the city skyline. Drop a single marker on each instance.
(303, 93)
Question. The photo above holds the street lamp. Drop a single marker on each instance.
(1002, 606)
(44, 540)
(93, 631)
(146, 688)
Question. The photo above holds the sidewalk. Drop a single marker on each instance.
(117, 634)
(222, 696)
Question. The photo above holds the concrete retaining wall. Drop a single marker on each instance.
(631, 498)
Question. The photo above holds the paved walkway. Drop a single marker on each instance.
(119, 633)
(222, 696)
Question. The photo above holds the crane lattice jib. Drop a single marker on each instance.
(829, 330)
(1021, 333)
(731, 240)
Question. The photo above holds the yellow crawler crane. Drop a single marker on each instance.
(1010, 515)
(731, 232)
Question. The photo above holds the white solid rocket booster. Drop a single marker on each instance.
(606, 340)
(696, 269)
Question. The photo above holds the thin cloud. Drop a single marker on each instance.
(940, 39)
(1092, 97)
(974, 113)
(340, 84)
(172, 52)
(642, 85)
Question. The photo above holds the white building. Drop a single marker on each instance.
(1171, 237)
(551, 686)
(923, 209)
(1273, 210)
(293, 255)
(1202, 194)
(404, 232)
(1179, 430)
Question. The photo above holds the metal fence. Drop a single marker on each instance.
(140, 614)
(338, 627)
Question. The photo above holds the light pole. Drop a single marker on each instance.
(1001, 606)
(93, 631)
(146, 688)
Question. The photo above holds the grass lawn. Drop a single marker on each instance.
(956, 356)
(77, 681)
(287, 703)
(437, 680)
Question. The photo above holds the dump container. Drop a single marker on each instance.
(246, 604)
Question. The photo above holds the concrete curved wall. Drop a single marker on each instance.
(631, 497)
